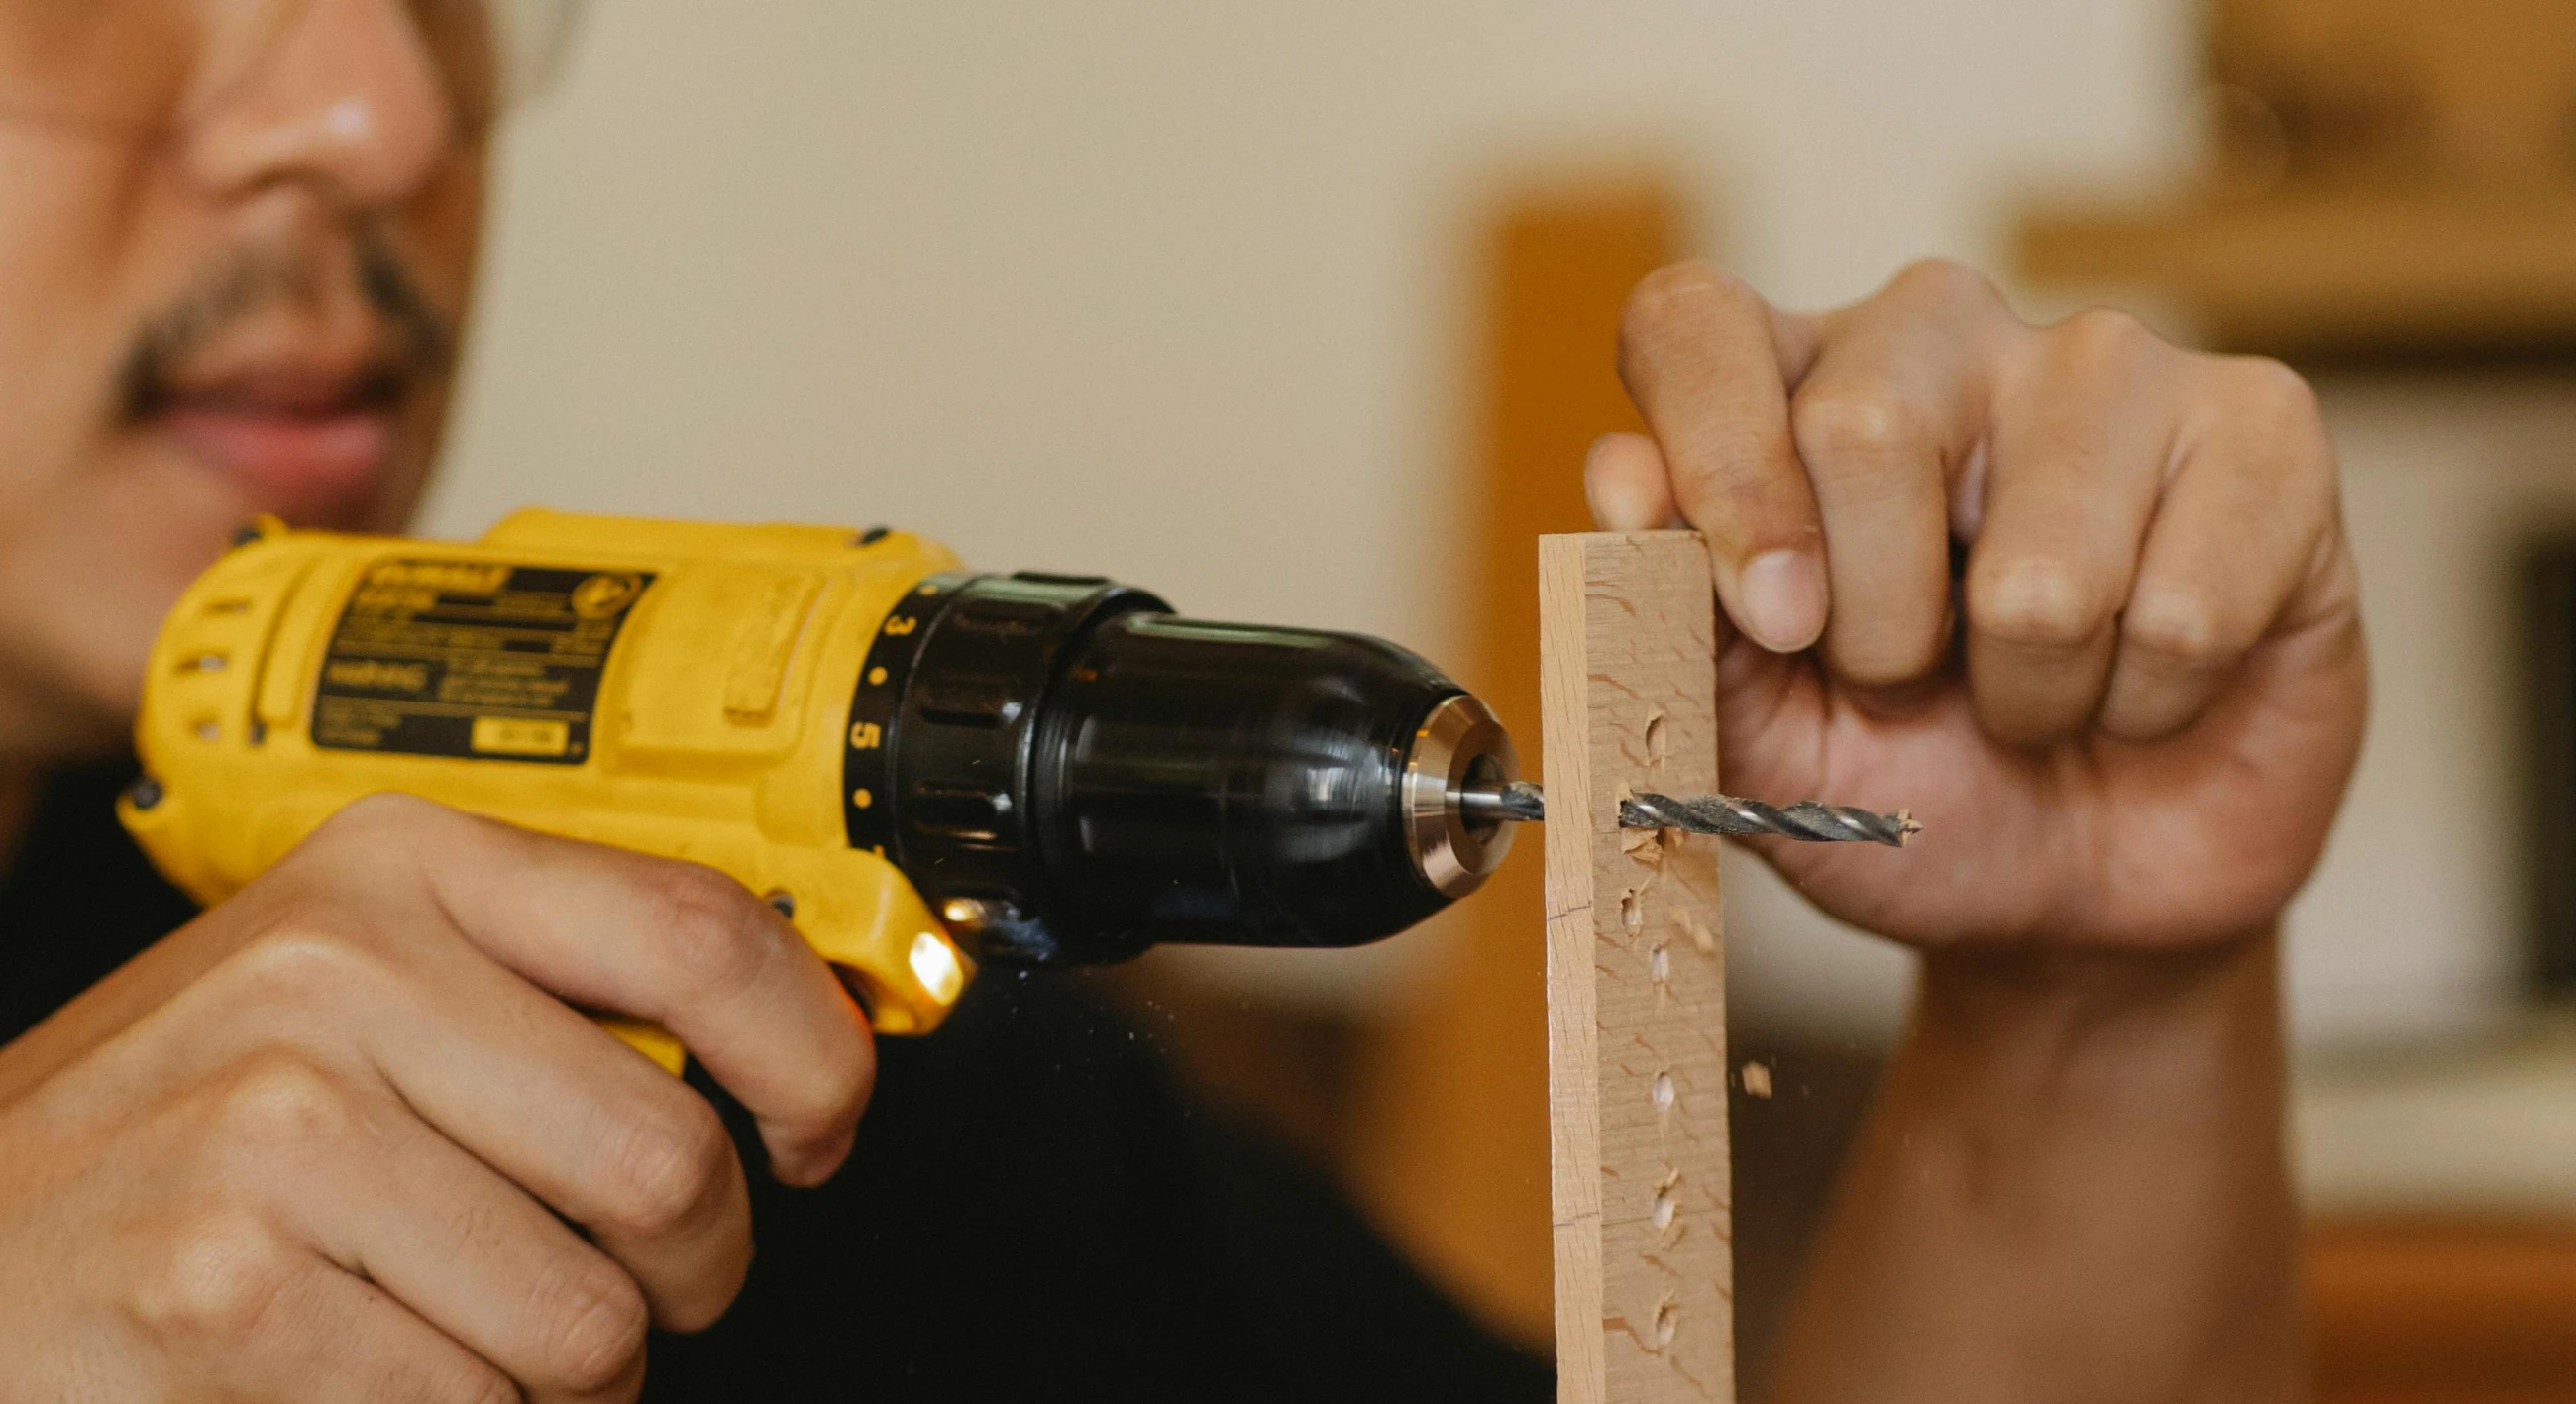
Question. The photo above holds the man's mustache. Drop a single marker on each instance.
(420, 340)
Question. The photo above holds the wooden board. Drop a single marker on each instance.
(1636, 976)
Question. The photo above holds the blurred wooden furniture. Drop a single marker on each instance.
(1450, 1143)
(2329, 274)
(2425, 1311)
(2443, 1253)
(2383, 177)
(2398, 93)
(1636, 976)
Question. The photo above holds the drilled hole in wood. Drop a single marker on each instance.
(1668, 1321)
(1663, 1214)
(1659, 964)
(1663, 1091)
(1632, 911)
(1655, 739)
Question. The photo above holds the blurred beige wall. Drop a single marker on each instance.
(1175, 291)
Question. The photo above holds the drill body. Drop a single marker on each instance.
(668, 687)
(919, 766)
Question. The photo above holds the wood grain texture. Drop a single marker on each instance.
(1636, 976)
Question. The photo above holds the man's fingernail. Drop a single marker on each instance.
(1782, 598)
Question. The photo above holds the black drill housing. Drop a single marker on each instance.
(1071, 774)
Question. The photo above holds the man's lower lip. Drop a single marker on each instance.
(302, 467)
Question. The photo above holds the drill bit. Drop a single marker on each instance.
(1806, 820)
(1524, 803)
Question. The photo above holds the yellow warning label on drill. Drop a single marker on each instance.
(472, 659)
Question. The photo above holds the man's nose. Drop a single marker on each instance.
(349, 96)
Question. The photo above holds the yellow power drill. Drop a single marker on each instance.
(926, 769)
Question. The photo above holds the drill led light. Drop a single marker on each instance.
(935, 965)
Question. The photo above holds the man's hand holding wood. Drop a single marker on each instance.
(2082, 601)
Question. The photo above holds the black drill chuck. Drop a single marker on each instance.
(1070, 774)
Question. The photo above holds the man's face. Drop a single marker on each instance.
(248, 302)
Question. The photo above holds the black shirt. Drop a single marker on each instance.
(1033, 1210)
